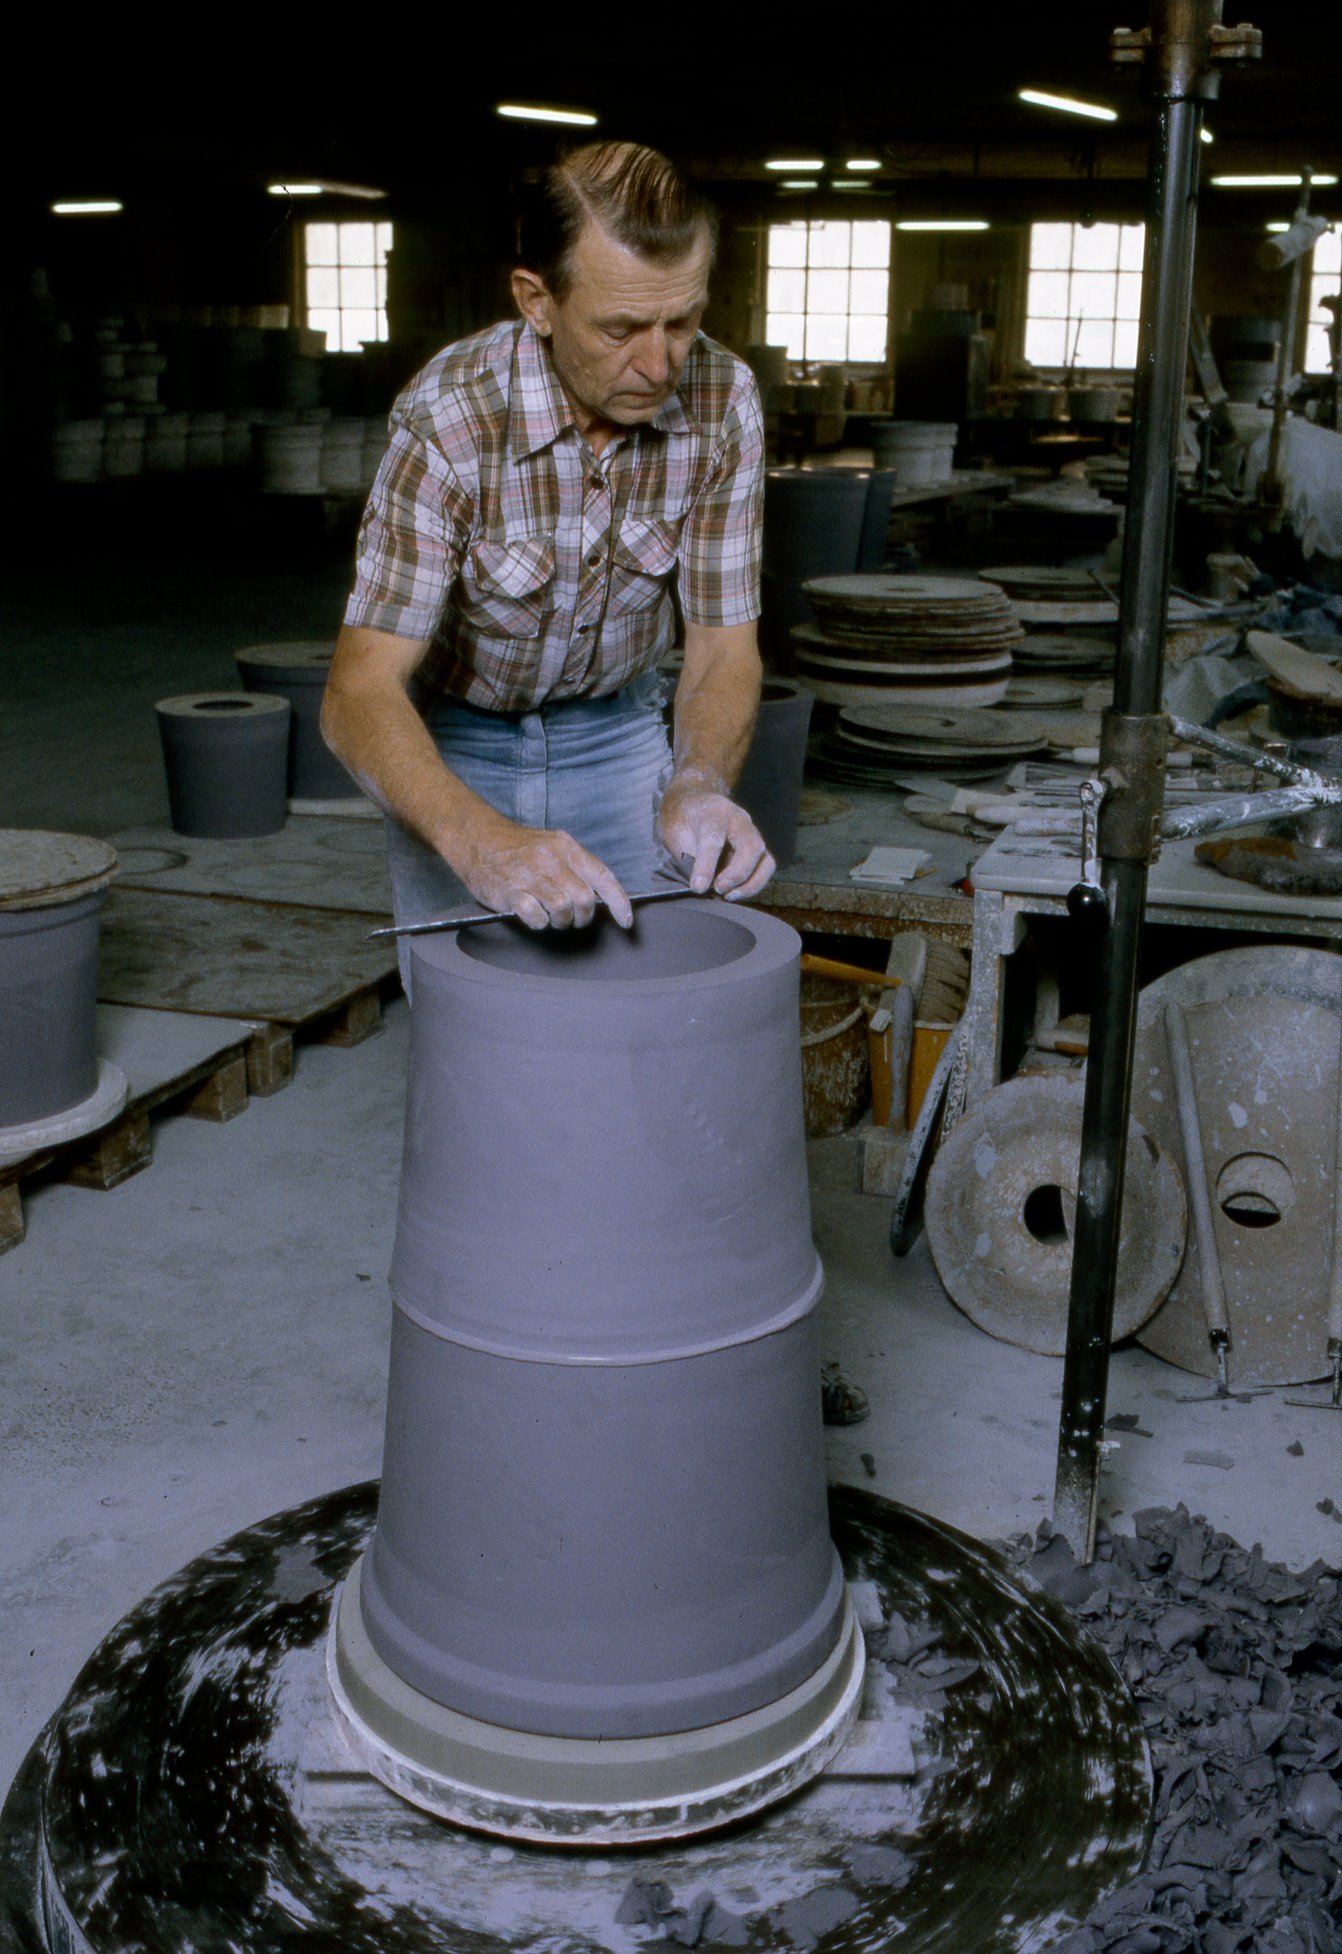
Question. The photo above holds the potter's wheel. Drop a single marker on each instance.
(192, 1790)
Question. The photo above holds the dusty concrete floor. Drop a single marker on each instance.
(206, 1344)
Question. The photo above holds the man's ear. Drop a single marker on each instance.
(531, 295)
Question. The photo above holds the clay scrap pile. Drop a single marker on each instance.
(1236, 1665)
(915, 640)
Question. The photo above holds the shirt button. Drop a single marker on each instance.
(583, 629)
(593, 559)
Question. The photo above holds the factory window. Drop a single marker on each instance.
(345, 282)
(1084, 295)
(828, 294)
(1324, 285)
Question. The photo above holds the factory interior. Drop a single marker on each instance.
(930, 255)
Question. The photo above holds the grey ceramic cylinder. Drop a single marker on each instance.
(813, 521)
(48, 1008)
(603, 1506)
(770, 782)
(226, 756)
(297, 672)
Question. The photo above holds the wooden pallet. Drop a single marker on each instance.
(197, 1066)
(297, 968)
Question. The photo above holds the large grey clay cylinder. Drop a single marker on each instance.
(298, 672)
(226, 757)
(52, 889)
(603, 1507)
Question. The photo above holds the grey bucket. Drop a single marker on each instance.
(297, 672)
(226, 756)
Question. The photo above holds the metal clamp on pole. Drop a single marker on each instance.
(1132, 766)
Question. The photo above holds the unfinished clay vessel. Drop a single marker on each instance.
(769, 785)
(226, 756)
(52, 888)
(297, 672)
(602, 1535)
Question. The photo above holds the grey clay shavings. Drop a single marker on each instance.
(1236, 1667)
(1235, 1664)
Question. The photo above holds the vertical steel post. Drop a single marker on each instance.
(1180, 48)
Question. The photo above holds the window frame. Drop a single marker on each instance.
(806, 359)
(316, 316)
(1125, 270)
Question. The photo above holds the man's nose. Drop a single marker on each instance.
(654, 357)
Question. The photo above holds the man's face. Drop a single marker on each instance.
(622, 332)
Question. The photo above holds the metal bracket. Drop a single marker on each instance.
(1132, 768)
(1189, 54)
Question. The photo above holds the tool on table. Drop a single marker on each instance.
(1199, 1194)
(459, 919)
(1334, 1401)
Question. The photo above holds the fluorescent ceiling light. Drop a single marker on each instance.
(105, 208)
(862, 163)
(1267, 182)
(294, 189)
(799, 183)
(1282, 225)
(1206, 134)
(535, 112)
(942, 224)
(843, 183)
(1067, 104)
(795, 163)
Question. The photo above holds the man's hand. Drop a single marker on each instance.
(698, 821)
(540, 875)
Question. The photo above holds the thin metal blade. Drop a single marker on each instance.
(458, 919)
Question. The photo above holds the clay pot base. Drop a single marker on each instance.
(571, 1791)
(103, 1104)
(193, 1790)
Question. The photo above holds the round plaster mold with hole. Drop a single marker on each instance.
(1001, 1206)
(1265, 1073)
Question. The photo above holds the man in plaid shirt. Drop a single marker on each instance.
(555, 490)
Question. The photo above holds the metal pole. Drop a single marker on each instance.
(1180, 48)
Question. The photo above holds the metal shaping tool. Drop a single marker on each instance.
(460, 919)
(1199, 1194)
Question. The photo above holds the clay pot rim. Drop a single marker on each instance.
(302, 658)
(193, 704)
(775, 946)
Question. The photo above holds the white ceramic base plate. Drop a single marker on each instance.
(102, 1105)
(580, 1792)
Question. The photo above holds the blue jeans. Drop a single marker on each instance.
(596, 768)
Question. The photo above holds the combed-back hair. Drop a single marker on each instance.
(636, 194)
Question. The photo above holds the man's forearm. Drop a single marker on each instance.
(716, 704)
(370, 724)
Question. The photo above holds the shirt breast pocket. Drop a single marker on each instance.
(646, 553)
(507, 589)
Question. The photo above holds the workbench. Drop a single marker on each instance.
(816, 894)
(1021, 877)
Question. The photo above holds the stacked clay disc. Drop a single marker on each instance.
(911, 640)
(875, 745)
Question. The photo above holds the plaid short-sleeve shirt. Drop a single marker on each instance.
(536, 570)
